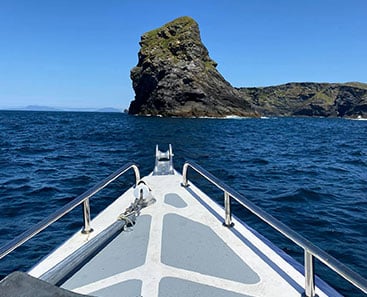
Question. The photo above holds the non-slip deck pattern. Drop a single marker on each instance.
(179, 247)
(195, 247)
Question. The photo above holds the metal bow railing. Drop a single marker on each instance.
(83, 198)
(310, 250)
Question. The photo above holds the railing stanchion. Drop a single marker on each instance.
(309, 275)
(184, 175)
(228, 212)
(86, 217)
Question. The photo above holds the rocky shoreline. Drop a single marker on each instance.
(176, 77)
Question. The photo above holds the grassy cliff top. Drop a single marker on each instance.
(164, 40)
(356, 85)
(171, 29)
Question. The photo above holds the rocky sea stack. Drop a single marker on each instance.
(176, 77)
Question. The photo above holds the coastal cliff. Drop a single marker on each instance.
(310, 99)
(176, 77)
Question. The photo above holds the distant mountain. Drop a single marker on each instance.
(109, 109)
(39, 108)
(49, 108)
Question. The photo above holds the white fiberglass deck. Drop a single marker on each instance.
(179, 247)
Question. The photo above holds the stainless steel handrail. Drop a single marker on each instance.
(311, 251)
(83, 198)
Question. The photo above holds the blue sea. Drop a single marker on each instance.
(310, 173)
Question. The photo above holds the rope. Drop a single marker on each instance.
(123, 217)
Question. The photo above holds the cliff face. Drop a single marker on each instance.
(176, 77)
(310, 99)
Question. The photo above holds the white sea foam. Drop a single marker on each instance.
(359, 118)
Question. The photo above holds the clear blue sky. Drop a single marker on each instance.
(78, 53)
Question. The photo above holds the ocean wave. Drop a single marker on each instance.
(49, 190)
(302, 195)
